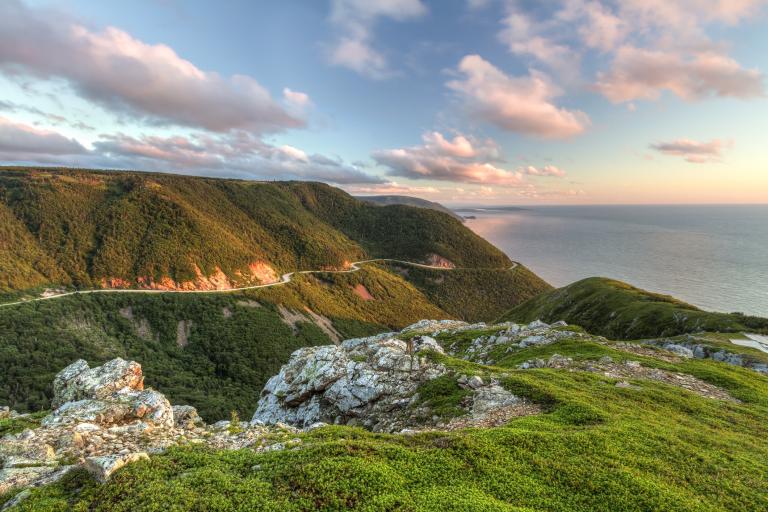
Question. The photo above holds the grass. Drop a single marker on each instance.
(596, 448)
(619, 311)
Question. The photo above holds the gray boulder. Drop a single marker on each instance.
(105, 395)
(363, 381)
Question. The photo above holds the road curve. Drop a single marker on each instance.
(284, 279)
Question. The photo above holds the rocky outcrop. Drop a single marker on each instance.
(106, 395)
(692, 346)
(104, 419)
(365, 381)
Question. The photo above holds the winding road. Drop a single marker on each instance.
(285, 279)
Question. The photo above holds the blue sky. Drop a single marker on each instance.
(462, 101)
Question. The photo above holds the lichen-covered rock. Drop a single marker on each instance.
(106, 395)
(78, 381)
(363, 381)
(186, 416)
(17, 453)
(103, 467)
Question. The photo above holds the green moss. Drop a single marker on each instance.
(443, 396)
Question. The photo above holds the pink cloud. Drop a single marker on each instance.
(19, 141)
(643, 74)
(518, 104)
(122, 73)
(693, 151)
(458, 160)
(547, 170)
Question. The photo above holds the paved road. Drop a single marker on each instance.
(285, 279)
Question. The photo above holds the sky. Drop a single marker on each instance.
(482, 102)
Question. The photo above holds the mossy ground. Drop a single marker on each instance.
(597, 447)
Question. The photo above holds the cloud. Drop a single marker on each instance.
(236, 154)
(643, 74)
(355, 19)
(523, 37)
(601, 29)
(124, 74)
(547, 170)
(651, 45)
(518, 104)
(54, 119)
(297, 100)
(457, 160)
(693, 151)
(20, 142)
(392, 188)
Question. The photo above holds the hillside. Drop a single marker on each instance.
(409, 201)
(474, 294)
(498, 418)
(88, 229)
(213, 351)
(620, 311)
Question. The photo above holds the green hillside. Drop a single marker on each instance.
(409, 201)
(617, 310)
(82, 227)
(214, 351)
(475, 294)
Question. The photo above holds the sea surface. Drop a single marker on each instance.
(714, 256)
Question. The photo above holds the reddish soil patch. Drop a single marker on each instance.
(362, 292)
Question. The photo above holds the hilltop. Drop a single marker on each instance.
(409, 201)
(618, 310)
(86, 229)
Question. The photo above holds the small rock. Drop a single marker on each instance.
(475, 382)
(103, 467)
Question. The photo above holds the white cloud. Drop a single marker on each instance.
(518, 104)
(296, 99)
(524, 37)
(458, 160)
(19, 141)
(124, 74)
(693, 151)
(234, 154)
(547, 170)
(355, 19)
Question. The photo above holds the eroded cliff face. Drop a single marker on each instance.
(258, 272)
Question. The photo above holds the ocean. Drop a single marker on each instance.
(713, 256)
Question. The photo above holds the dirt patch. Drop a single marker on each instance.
(325, 324)
(291, 317)
(248, 303)
(634, 348)
(141, 326)
(226, 312)
(183, 330)
(362, 292)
